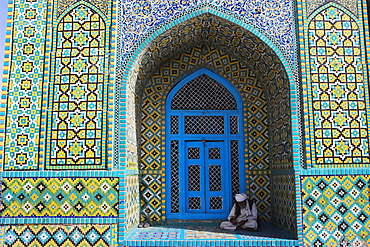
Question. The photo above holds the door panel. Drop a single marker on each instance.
(194, 173)
(205, 172)
(215, 176)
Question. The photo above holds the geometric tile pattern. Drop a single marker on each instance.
(131, 202)
(152, 110)
(338, 98)
(211, 233)
(77, 125)
(259, 190)
(276, 19)
(59, 197)
(2, 235)
(280, 130)
(59, 236)
(257, 130)
(151, 201)
(62, 5)
(337, 210)
(312, 5)
(25, 85)
(283, 201)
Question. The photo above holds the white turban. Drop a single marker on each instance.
(240, 197)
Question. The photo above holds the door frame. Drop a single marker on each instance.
(190, 137)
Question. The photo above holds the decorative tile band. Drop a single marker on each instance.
(59, 197)
(59, 236)
(25, 85)
(59, 174)
(335, 171)
(338, 96)
(77, 126)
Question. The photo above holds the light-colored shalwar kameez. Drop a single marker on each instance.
(245, 214)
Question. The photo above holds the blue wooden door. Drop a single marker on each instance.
(206, 173)
(204, 139)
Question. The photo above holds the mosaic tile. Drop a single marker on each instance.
(334, 207)
(167, 235)
(60, 197)
(76, 133)
(201, 234)
(209, 233)
(276, 19)
(283, 201)
(336, 210)
(63, 5)
(258, 157)
(338, 100)
(151, 197)
(131, 201)
(259, 190)
(59, 236)
(312, 5)
(25, 87)
(2, 235)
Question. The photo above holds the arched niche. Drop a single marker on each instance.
(241, 42)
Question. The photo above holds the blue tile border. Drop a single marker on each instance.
(58, 220)
(58, 174)
(334, 171)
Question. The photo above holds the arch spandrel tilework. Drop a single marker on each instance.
(338, 98)
(275, 18)
(78, 95)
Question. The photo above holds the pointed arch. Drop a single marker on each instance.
(107, 21)
(248, 44)
(141, 48)
(335, 57)
(332, 4)
(148, 54)
(76, 91)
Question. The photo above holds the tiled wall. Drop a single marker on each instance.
(336, 95)
(336, 210)
(334, 199)
(58, 77)
(59, 106)
(59, 236)
(283, 201)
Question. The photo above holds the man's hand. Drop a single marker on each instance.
(242, 222)
(233, 221)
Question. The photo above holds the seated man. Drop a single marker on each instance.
(241, 215)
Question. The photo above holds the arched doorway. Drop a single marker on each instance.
(155, 69)
(204, 138)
